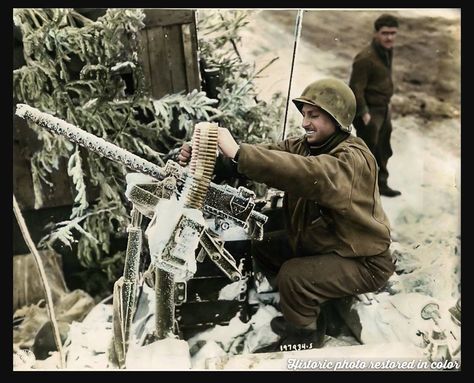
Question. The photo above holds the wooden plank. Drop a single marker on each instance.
(196, 83)
(160, 76)
(144, 58)
(164, 17)
(190, 56)
(174, 49)
(27, 284)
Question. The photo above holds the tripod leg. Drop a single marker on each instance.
(164, 291)
(125, 289)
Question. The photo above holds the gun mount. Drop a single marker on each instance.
(180, 202)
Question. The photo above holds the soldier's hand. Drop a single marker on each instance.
(226, 142)
(366, 117)
(184, 155)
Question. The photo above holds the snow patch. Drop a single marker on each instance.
(167, 354)
(233, 290)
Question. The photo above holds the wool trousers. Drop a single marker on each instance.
(305, 281)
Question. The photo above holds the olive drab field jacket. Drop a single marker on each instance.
(371, 78)
(331, 203)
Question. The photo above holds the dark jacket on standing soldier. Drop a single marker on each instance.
(340, 210)
(371, 79)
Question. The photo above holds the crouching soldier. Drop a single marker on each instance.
(337, 236)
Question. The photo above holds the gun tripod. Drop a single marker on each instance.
(176, 230)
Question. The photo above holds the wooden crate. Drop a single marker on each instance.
(169, 54)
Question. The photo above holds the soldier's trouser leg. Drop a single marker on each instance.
(384, 149)
(305, 283)
(369, 133)
(270, 253)
(376, 135)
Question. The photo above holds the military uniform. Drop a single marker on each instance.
(337, 236)
(371, 82)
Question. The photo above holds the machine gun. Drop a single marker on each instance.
(186, 210)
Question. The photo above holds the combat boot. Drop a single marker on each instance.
(294, 338)
(387, 191)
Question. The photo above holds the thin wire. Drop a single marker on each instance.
(299, 22)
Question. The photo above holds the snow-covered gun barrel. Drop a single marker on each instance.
(222, 202)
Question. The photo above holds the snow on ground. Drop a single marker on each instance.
(342, 358)
(426, 217)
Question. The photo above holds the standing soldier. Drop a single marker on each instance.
(371, 81)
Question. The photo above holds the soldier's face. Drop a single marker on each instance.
(318, 125)
(385, 36)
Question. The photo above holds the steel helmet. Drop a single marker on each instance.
(332, 95)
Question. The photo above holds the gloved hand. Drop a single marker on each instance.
(184, 155)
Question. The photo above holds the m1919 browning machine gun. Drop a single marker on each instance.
(185, 209)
